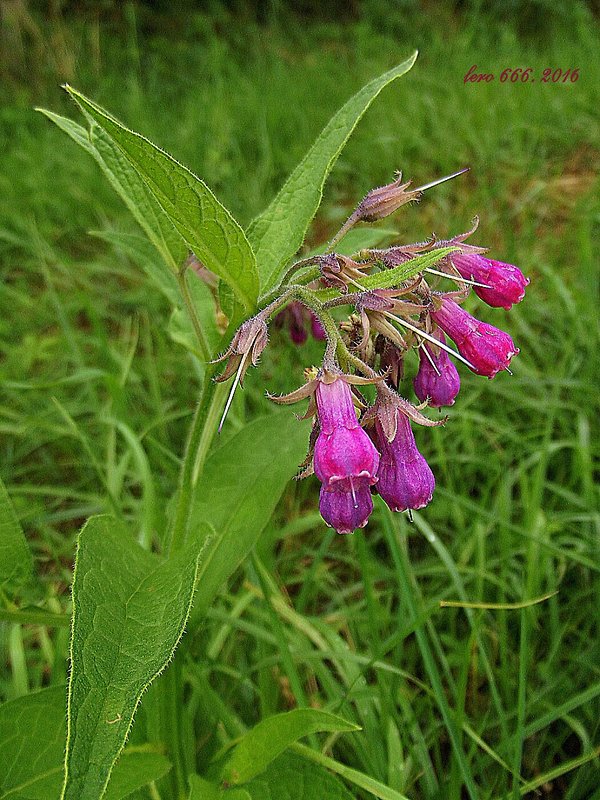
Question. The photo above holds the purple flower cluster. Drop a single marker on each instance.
(358, 448)
(349, 463)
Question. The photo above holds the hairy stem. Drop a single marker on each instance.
(198, 441)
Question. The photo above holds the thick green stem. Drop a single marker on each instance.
(171, 709)
(209, 429)
(199, 438)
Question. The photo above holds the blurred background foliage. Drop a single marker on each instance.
(237, 91)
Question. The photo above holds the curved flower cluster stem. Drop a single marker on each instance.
(356, 448)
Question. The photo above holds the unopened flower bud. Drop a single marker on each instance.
(487, 349)
(317, 329)
(437, 378)
(504, 283)
(384, 200)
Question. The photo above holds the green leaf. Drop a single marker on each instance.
(207, 227)
(294, 778)
(289, 776)
(32, 751)
(129, 613)
(403, 272)
(277, 234)
(201, 789)
(130, 187)
(386, 278)
(15, 557)
(240, 486)
(373, 786)
(77, 132)
(133, 770)
(32, 745)
(267, 740)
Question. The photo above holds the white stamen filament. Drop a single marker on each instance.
(430, 359)
(456, 278)
(429, 338)
(238, 375)
(353, 493)
(441, 180)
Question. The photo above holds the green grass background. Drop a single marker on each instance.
(354, 624)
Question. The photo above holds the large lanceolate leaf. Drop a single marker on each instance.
(237, 493)
(15, 556)
(130, 186)
(157, 226)
(203, 222)
(32, 752)
(271, 737)
(277, 234)
(129, 612)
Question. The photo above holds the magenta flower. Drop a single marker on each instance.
(345, 459)
(506, 282)
(404, 477)
(437, 378)
(486, 348)
(346, 510)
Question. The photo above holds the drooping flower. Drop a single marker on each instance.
(343, 451)
(487, 349)
(504, 283)
(405, 479)
(344, 457)
(437, 378)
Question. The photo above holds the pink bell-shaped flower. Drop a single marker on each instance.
(504, 283)
(405, 479)
(487, 349)
(342, 450)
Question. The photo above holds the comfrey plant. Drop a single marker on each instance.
(143, 576)
(400, 305)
